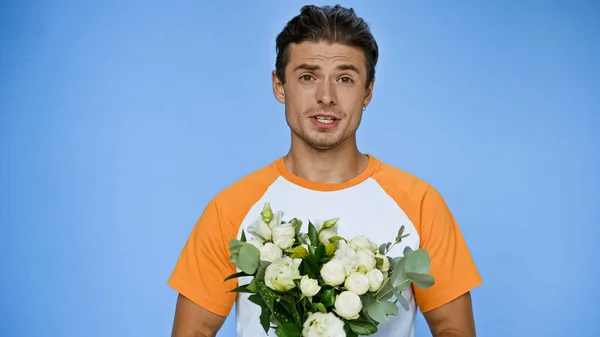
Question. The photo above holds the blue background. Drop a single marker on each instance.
(121, 119)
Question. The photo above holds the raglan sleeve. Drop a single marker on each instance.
(452, 265)
(203, 264)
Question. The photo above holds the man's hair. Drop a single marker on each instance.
(335, 24)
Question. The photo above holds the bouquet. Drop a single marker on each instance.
(319, 283)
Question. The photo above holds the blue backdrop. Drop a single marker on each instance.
(121, 119)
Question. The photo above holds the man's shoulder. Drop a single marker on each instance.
(248, 189)
(400, 180)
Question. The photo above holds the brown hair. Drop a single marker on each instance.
(335, 24)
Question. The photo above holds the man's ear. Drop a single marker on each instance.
(369, 93)
(278, 89)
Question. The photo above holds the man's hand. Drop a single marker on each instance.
(454, 319)
(192, 320)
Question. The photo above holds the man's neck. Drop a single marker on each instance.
(331, 167)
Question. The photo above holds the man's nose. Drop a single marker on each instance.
(326, 93)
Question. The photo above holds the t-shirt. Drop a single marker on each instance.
(375, 204)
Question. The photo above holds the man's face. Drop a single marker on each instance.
(324, 93)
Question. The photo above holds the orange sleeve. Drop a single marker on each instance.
(203, 263)
(452, 266)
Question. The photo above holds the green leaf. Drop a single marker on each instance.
(401, 299)
(400, 232)
(382, 249)
(265, 319)
(417, 262)
(375, 311)
(262, 267)
(320, 252)
(297, 224)
(248, 259)
(302, 239)
(330, 223)
(309, 266)
(349, 332)
(288, 330)
(399, 278)
(385, 292)
(256, 299)
(421, 280)
(282, 315)
(236, 275)
(362, 328)
(328, 297)
(242, 289)
(243, 239)
(319, 307)
(268, 295)
(407, 251)
(289, 303)
(313, 235)
(379, 311)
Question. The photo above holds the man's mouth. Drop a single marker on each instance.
(325, 120)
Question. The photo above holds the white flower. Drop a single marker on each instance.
(362, 242)
(375, 278)
(366, 260)
(309, 287)
(385, 266)
(255, 242)
(333, 273)
(325, 234)
(281, 273)
(284, 235)
(348, 257)
(348, 305)
(319, 324)
(262, 229)
(270, 252)
(357, 283)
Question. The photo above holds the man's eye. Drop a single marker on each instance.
(346, 79)
(306, 77)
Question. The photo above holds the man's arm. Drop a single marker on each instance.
(453, 319)
(191, 320)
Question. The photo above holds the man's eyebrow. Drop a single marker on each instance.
(350, 67)
(314, 67)
(309, 67)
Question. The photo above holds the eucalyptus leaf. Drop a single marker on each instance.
(248, 259)
(407, 251)
(382, 249)
(403, 301)
(399, 236)
(417, 262)
(421, 280)
(375, 311)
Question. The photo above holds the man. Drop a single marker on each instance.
(325, 72)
